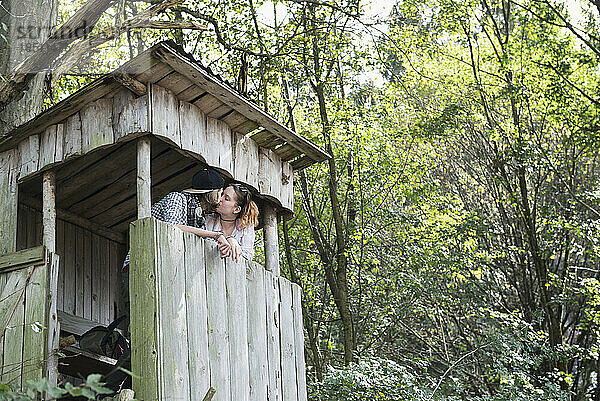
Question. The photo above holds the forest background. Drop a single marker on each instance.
(449, 249)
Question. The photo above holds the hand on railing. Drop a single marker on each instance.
(229, 247)
(224, 246)
(236, 249)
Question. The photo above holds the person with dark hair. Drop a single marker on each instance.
(189, 208)
(236, 216)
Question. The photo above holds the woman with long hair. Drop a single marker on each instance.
(236, 216)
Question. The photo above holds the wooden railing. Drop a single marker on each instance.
(198, 321)
(26, 313)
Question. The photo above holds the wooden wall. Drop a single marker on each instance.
(24, 314)
(122, 117)
(89, 272)
(199, 321)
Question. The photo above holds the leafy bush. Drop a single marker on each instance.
(34, 390)
(370, 379)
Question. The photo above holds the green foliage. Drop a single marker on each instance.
(370, 379)
(36, 389)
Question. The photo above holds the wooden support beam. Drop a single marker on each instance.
(144, 183)
(49, 241)
(49, 210)
(131, 83)
(21, 259)
(77, 220)
(271, 239)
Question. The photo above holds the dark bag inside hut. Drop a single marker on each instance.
(105, 340)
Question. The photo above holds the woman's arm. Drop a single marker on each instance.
(223, 244)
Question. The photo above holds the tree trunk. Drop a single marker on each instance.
(29, 24)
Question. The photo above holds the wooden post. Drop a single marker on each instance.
(49, 241)
(49, 210)
(271, 239)
(144, 184)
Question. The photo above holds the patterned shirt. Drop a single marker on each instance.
(245, 236)
(177, 208)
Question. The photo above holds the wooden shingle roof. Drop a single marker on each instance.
(170, 67)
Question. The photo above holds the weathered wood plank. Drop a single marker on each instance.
(39, 228)
(299, 342)
(165, 115)
(31, 230)
(13, 296)
(234, 119)
(51, 145)
(175, 82)
(257, 328)
(197, 316)
(8, 201)
(114, 280)
(269, 171)
(218, 135)
(96, 125)
(193, 130)
(172, 324)
(245, 156)
(22, 212)
(79, 271)
(144, 179)
(289, 386)
(21, 259)
(72, 145)
(190, 93)
(302, 162)
(218, 331)
(68, 259)
(34, 335)
(153, 74)
(144, 309)
(271, 239)
(87, 275)
(131, 83)
(287, 186)
(246, 127)
(220, 111)
(60, 249)
(96, 278)
(273, 345)
(74, 324)
(103, 267)
(59, 150)
(47, 147)
(29, 149)
(207, 103)
(287, 152)
(237, 319)
(129, 114)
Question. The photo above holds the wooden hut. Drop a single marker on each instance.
(76, 186)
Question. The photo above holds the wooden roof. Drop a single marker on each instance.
(168, 66)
